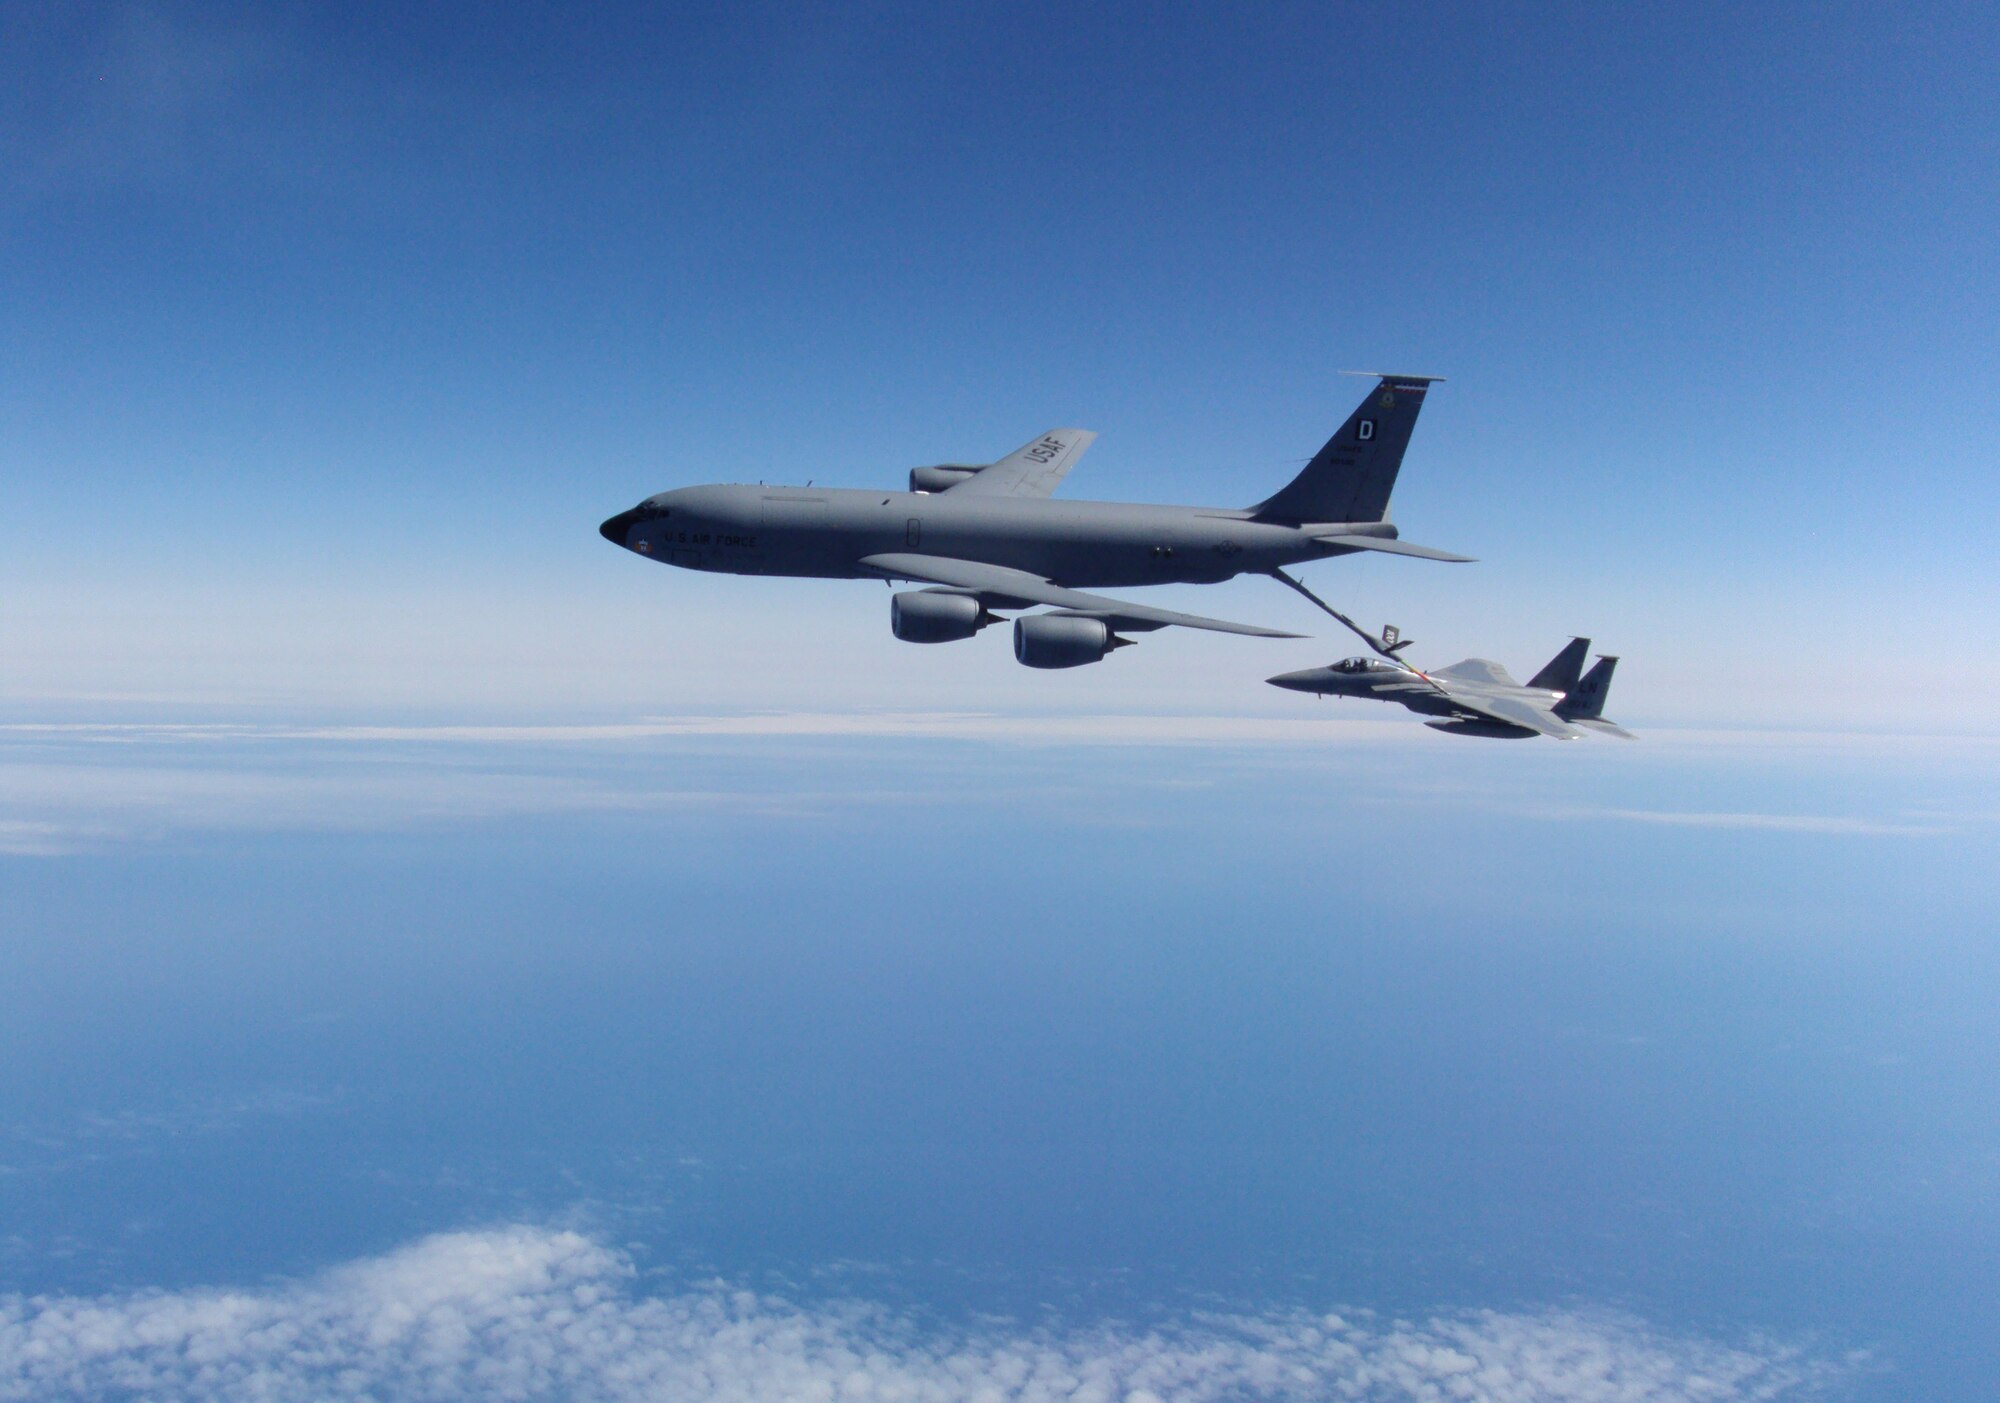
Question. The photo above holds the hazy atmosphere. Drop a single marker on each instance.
(451, 957)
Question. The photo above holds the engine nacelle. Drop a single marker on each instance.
(942, 476)
(1062, 640)
(933, 616)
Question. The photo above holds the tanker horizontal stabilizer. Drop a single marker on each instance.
(1389, 545)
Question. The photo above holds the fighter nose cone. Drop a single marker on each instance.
(614, 528)
(1306, 681)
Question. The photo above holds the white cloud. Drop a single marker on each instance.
(537, 1313)
(66, 808)
(80, 786)
(1768, 823)
(36, 838)
(73, 786)
(1066, 729)
(1323, 728)
(1916, 744)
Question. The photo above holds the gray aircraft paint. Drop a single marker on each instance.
(994, 533)
(1478, 697)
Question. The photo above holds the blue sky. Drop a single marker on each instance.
(359, 310)
(450, 957)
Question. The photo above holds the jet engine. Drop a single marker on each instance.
(935, 616)
(944, 475)
(1062, 640)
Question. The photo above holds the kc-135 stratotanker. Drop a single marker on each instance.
(990, 538)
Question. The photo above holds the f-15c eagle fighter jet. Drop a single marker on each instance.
(1477, 697)
(989, 538)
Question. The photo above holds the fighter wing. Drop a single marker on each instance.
(1032, 470)
(1481, 670)
(1001, 583)
(1603, 727)
(1515, 711)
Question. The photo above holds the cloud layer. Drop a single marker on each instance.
(536, 1313)
(68, 787)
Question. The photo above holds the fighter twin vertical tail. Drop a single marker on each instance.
(1586, 698)
(1584, 705)
(1563, 670)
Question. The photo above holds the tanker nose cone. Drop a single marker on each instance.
(614, 528)
(1313, 679)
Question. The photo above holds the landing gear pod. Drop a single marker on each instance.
(1063, 640)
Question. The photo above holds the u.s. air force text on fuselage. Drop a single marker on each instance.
(987, 539)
